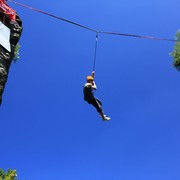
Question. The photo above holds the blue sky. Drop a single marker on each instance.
(49, 132)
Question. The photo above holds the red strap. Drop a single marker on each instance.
(7, 10)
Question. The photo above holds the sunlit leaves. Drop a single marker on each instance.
(16, 52)
(176, 52)
(9, 175)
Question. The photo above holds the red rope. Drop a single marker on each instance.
(88, 28)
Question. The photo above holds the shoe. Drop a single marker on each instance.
(106, 118)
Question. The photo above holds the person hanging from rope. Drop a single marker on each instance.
(88, 88)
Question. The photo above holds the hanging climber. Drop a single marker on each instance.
(89, 86)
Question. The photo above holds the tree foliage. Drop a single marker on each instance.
(8, 175)
(16, 53)
(176, 52)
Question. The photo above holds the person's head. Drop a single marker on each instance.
(90, 79)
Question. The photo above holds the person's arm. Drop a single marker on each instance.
(93, 72)
(94, 85)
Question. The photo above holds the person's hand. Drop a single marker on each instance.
(93, 72)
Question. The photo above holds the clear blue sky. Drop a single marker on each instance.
(48, 132)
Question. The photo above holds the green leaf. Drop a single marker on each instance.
(16, 53)
(176, 52)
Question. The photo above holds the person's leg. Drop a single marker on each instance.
(102, 115)
(98, 105)
(99, 101)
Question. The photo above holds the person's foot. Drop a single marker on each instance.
(106, 118)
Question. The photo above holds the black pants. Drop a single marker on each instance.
(96, 103)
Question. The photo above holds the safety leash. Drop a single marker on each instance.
(95, 51)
